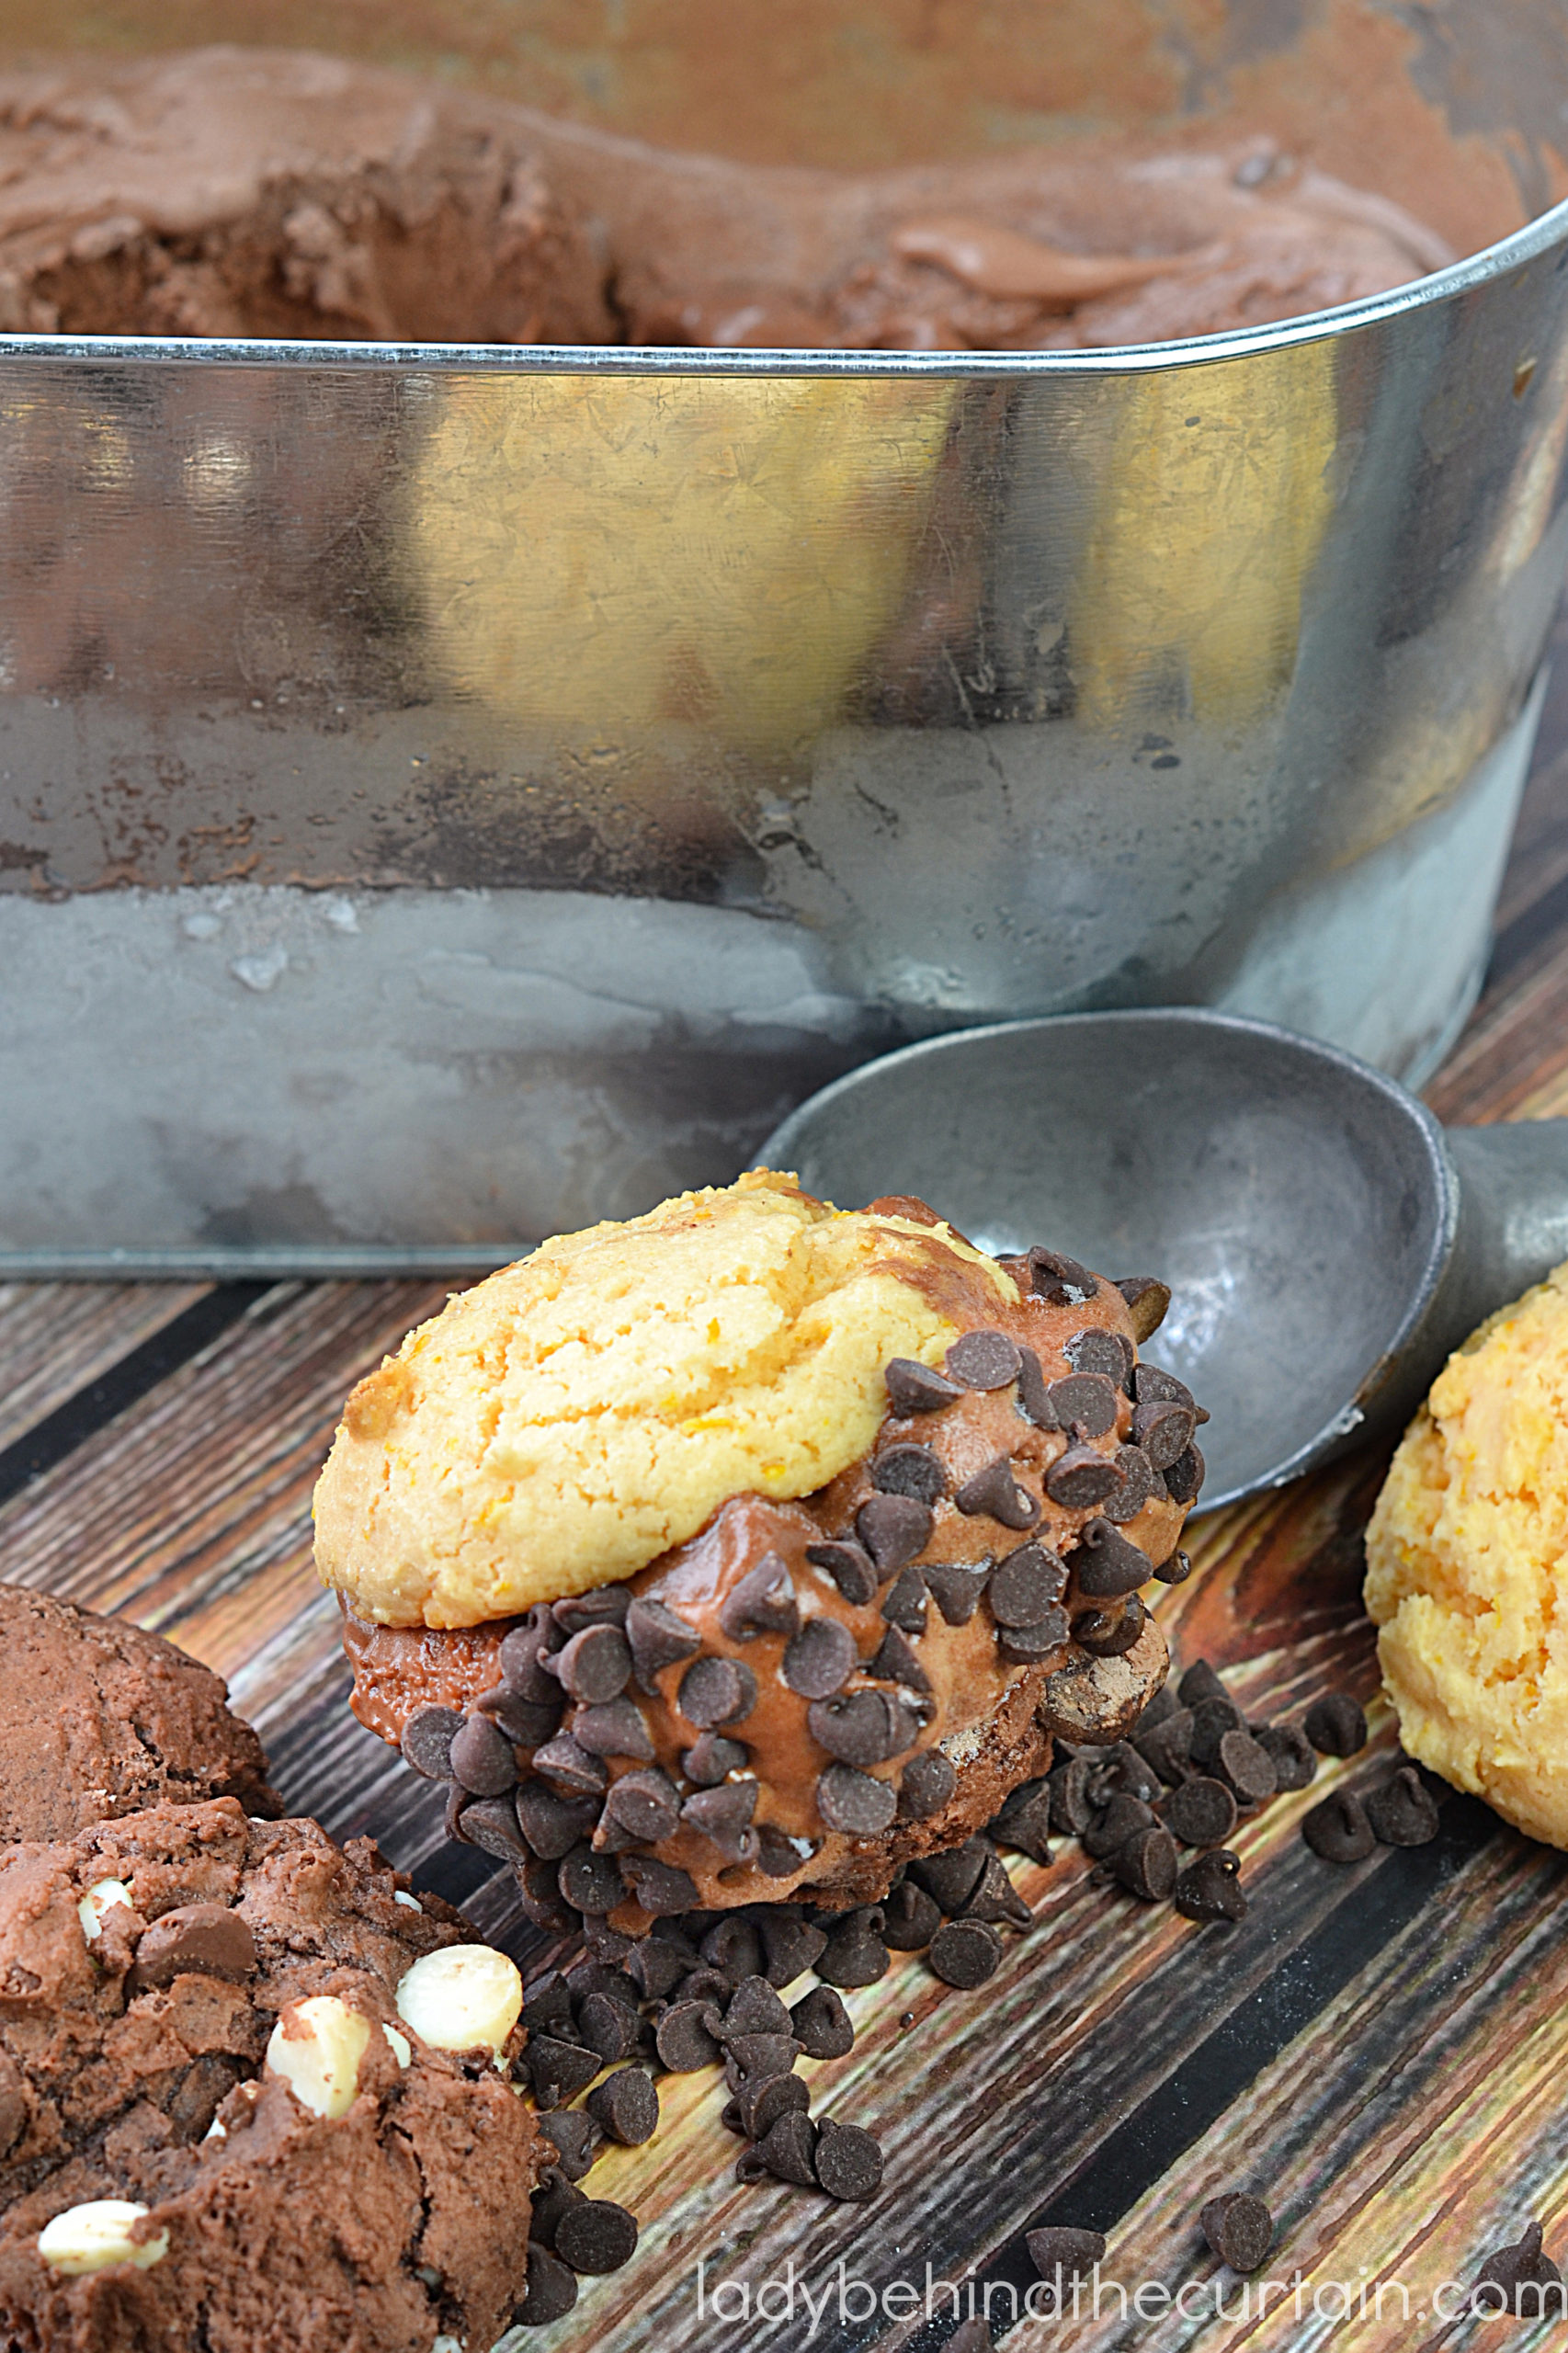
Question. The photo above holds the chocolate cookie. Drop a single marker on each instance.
(99, 1718)
(252, 2093)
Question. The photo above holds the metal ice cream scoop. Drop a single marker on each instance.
(1326, 1241)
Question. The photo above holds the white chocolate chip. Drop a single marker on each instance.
(410, 1903)
(401, 2049)
(462, 1998)
(316, 2047)
(216, 2131)
(91, 2237)
(100, 1898)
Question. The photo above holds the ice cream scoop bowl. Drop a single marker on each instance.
(1327, 1241)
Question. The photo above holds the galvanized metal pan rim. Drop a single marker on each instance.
(1526, 244)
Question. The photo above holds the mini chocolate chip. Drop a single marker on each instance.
(1071, 1807)
(994, 1897)
(1184, 1478)
(1402, 1813)
(983, 1359)
(1337, 1828)
(955, 1589)
(524, 1723)
(1248, 1768)
(1336, 1726)
(779, 1856)
(1034, 1399)
(1523, 2263)
(1026, 1584)
(683, 2037)
(1030, 1643)
(758, 2104)
(598, 2235)
(716, 1691)
(1200, 1683)
(1176, 1571)
(1239, 2229)
(905, 1603)
(658, 1887)
(1084, 1402)
(763, 1603)
(723, 1815)
(615, 1729)
(491, 1823)
(864, 1727)
(590, 1881)
(1079, 1479)
(1166, 1747)
(1148, 1301)
(848, 2161)
(1163, 1428)
(1104, 1564)
(965, 1952)
(551, 2292)
(1146, 1865)
(1211, 1719)
(1210, 1889)
(1106, 1634)
(914, 1388)
(1294, 1761)
(855, 1953)
(711, 1758)
(626, 2106)
(558, 2070)
(646, 1803)
(594, 1665)
(1024, 1823)
(658, 1639)
(786, 2149)
(855, 1804)
(1116, 1824)
(995, 1490)
(564, 1762)
(575, 2139)
(1063, 2254)
(896, 1662)
(821, 1659)
(951, 1876)
(602, 1605)
(927, 1784)
(755, 2009)
(1109, 1354)
(198, 1940)
(1138, 1478)
(909, 1471)
(1061, 1281)
(553, 1825)
(607, 2027)
(851, 1567)
(821, 2024)
(1202, 1813)
(790, 1943)
(910, 1918)
(893, 1528)
(427, 1738)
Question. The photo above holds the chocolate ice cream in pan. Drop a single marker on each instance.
(745, 1551)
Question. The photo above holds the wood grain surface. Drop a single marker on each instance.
(1380, 2051)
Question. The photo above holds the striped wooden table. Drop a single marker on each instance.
(1382, 2052)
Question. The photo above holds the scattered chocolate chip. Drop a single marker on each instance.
(615, 1729)
(1239, 2229)
(848, 2161)
(851, 1567)
(1522, 2264)
(965, 1952)
(1107, 1633)
(551, 2292)
(658, 1639)
(909, 1471)
(1071, 1807)
(646, 1803)
(658, 1887)
(1084, 1402)
(1249, 1767)
(1024, 1823)
(716, 1691)
(1200, 1683)
(550, 2201)
(995, 1490)
(757, 2107)
(1109, 1354)
(1162, 1428)
(927, 1784)
(590, 1881)
(683, 2037)
(539, 1896)
(608, 2028)
(1202, 1813)
(904, 1604)
(1116, 1824)
(1336, 1726)
(755, 2009)
(1030, 1643)
(863, 1727)
(1025, 1585)
(1209, 1889)
(709, 1986)
(955, 1588)
(996, 1898)
(763, 1603)
(1184, 1478)
(951, 1877)
(558, 2070)
(1294, 1761)
(607, 1944)
(596, 2236)
(491, 1823)
(626, 2106)
(1148, 1301)
(552, 1825)
(1121, 1770)
(1146, 1865)
(734, 1948)
(1211, 1719)
(895, 1662)
(1064, 2255)
(427, 1738)
(1176, 1571)
(1166, 1746)
(893, 1528)
(914, 1388)
(821, 1658)
(855, 1953)
(1161, 1708)
(1079, 1479)
(658, 1965)
(1061, 1281)
(982, 1360)
(711, 1758)
(821, 2024)
(599, 1977)
(527, 1724)
(564, 1761)
(910, 1918)
(855, 1804)
(787, 2149)
(1338, 1830)
(757, 2058)
(201, 1940)
(790, 1943)
(575, 2138)
(1402, 1813)
(602, 1605)
(1104, 1564)
(594, 1665)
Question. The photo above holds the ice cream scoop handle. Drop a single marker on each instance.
(1512, 1225)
